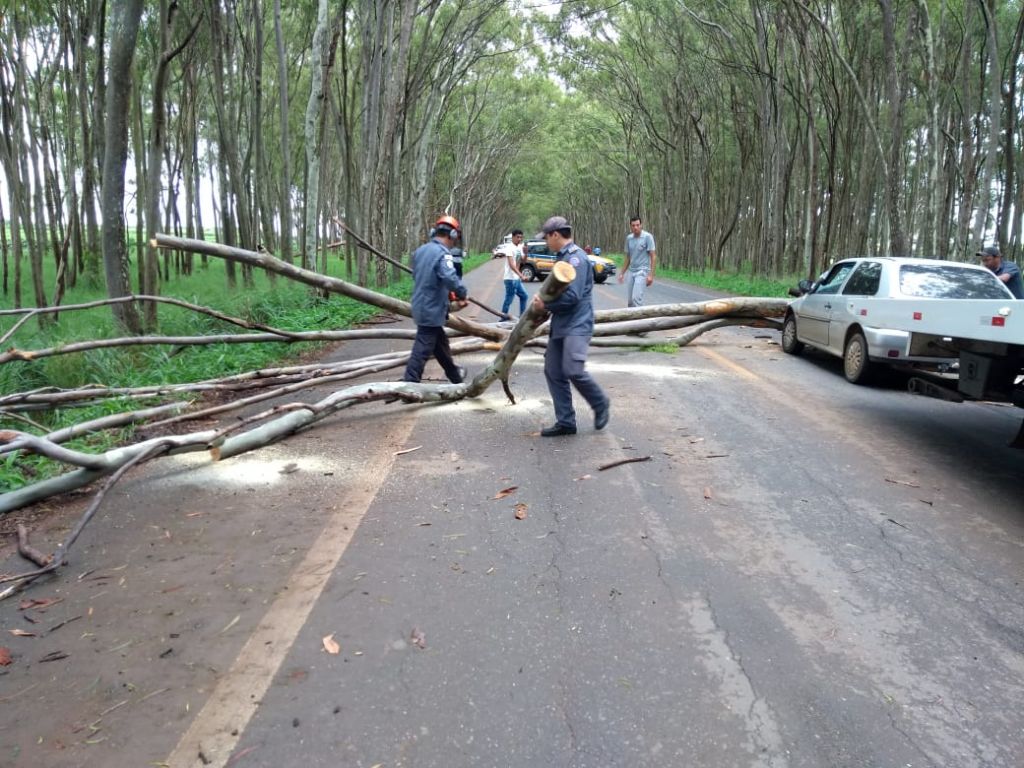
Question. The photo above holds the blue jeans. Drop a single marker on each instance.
(514, 287)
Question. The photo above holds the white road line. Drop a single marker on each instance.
(222, 720)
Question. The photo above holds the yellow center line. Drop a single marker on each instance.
(220, 723)
(735, 367)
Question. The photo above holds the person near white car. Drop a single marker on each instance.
(514, 251)
(1006, 271)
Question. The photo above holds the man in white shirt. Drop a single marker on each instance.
(513, 277)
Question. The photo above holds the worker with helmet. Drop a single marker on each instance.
(434, 279)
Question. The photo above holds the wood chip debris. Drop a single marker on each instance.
(331, 645)
(417, 638)
(620, 462)
(901, 482)
(407, 450)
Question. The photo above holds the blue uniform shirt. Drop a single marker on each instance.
(433, 276)
(572, 313)
(1015, 284)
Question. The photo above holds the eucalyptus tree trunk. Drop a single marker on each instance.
(386, 62)
(314, 110)
(67, 154)
(8, 156)
(964, 203)
(150, 284)
(1006, 231)
(125, 16)
(898, 244)
(261, 200)
(86, 118)
(226, 96)
(285, 184)
(991, 106)
(929, 229)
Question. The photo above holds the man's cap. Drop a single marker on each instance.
(554, 224)
(990, 250)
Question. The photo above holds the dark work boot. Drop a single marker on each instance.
(557, 431)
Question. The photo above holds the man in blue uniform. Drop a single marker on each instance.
(1006, 271)
(572, 325)
(434, 276)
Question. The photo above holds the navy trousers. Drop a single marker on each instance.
(565, 362)
(431, 342)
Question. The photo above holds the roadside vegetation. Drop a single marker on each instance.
(281, 303)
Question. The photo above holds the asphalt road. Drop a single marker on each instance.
(802, 573)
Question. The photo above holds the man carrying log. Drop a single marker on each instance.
(434, 280)
(572, 325)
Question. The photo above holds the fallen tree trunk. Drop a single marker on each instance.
(95, 466)
(331, 284)
(31, 312)
(283, 337)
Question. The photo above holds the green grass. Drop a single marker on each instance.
(665, 349)
(281, 303)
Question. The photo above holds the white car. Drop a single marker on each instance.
(834, 313)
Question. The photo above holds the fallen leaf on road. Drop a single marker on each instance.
(22, 633)
(417, 638)
(331, 645)
(707, 492)
(697, 440)
(5, 656)
(521, 511)
(287, 469)
(505, 492)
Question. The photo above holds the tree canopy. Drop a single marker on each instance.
(767, 136)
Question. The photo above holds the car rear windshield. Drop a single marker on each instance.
(946, 282)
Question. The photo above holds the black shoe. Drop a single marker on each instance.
(557, 431)
(462, 375)
(601, 415)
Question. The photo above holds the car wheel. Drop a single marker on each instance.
(600, 278)
(529, 274)
(857, 367)
(791, 345)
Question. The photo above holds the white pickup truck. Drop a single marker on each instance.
(985, 336)
(955, 324)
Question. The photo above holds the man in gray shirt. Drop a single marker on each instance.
(639, 262)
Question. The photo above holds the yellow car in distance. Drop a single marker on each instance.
(539, 260)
